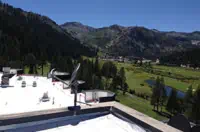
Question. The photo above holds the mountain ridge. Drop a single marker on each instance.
(71, 22)
(135, 40)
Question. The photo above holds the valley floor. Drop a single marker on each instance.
(136, 77)
(179, 78)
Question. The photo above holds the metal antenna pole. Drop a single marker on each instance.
(73, 83)
(75, 94)
(74, 86)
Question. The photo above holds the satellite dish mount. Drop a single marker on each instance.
(73, 84)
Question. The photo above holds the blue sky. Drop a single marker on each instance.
(165, 15)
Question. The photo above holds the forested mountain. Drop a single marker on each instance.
(191, 57)
(91, 36)
(133, 41)
(24, 32)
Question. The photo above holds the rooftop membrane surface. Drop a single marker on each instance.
(107, 123)
(17, 99)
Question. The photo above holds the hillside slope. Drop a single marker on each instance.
(133, 41)
(24, 32)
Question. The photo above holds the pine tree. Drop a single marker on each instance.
(155, 99)
(158, 94)
(96, 67)
(94, 82)
(122, 75)
(69, 64)
(115, 84)
(87, 74)
(125, 88)
(107, 83)
(105, 70)
(61, 64)
(109, 70)
(30, 60)
(42, 61)
(196, 105)
(163, 95)
(113, 70)
(102, 85)
(172, 102)
(97, 82)
(188, 97)
(123, 80)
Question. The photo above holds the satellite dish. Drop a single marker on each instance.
(71, 82)
(74, 73)
(81, 82)
(73, 77)
(51, 72)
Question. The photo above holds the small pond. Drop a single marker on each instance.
(168, 89)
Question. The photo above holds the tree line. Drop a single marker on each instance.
(183, 57)
(189, 105)
(107, 77)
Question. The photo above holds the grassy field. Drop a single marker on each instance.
(140, 105)
(136, 80)
(136, 77)
(188, 73)
(179, 70)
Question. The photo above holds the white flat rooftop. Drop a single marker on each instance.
(18, 99)
(107, 123)
(102, 117)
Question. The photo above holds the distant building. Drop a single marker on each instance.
(188, 65)
(138, 61)
(146, 61)
(157, 61)
(126, 60)
(16, 71)
(184, 66)
(120, 59)
(8, 70)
